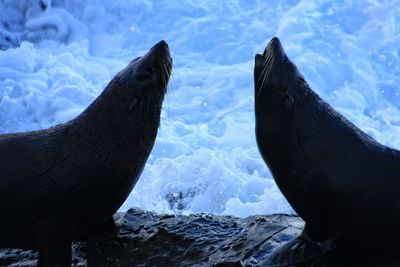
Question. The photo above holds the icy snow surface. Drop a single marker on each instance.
(57, 56)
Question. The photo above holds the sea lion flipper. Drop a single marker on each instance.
(299, 250)
(54, 241)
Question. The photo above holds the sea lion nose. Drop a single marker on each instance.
(162, 44)
(275, 39)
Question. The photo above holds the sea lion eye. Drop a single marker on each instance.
(145, 74)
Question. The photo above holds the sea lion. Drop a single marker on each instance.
(340, 181)
(63, 183)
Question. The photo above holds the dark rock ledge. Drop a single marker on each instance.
(143, 238)
(148, 239)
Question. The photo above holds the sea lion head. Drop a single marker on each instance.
(135, 95)
(279, 87)
(144, 81)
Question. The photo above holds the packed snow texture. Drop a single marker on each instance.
(57, 56)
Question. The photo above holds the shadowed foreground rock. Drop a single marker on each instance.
(148, 239)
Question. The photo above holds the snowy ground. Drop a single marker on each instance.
(205, 158)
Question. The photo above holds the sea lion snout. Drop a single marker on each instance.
(274, 48)
(160, 48)
(273, 69)
(159, 54)
(156, 56)
(268, 65)
(162, 44)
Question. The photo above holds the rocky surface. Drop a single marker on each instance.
(148, 239)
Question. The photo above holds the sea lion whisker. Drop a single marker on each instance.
(262, 76)
(165, 75)
(263, 70)
(266, 76)
(267, 67)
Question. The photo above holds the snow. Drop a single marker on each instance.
(56, 57)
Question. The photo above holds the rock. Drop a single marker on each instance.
(147, 239)
(141, 238)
